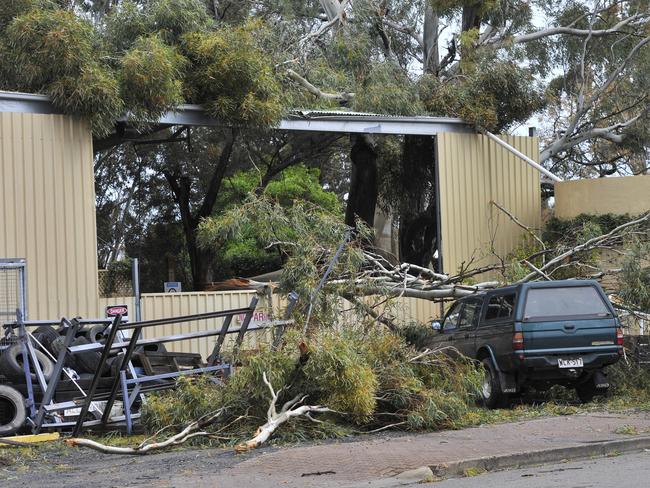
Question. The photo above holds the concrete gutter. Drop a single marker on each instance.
(460, 468)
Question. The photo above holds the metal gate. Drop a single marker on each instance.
(13, 289)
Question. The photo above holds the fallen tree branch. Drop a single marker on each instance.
(190, 431)
(343, 97)
(592, 243)
(274, 419)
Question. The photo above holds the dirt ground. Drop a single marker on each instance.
(58, 466)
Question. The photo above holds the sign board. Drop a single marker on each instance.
(173, 287)
(115, 310)
(260, 316)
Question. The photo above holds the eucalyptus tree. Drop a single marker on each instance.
(581, 66)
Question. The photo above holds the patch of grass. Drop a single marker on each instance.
(473, 471)
(627, 430)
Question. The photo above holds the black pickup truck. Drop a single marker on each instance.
(536, 334)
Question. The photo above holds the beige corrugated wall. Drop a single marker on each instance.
(161, 305)
(47, 211)
(473, 171)
(617, 195)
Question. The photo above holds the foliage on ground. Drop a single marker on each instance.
(368, 377)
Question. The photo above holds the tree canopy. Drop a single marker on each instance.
(581, 66)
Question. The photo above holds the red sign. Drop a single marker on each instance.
(115, 310)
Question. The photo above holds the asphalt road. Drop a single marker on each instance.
(625, 471)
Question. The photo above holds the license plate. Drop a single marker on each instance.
(570, 363)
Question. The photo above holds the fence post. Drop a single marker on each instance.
(135, 279)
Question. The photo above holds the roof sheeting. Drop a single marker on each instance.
(296, 120)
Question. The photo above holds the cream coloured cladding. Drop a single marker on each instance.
(616, 195)
(474, 171)
(165, 305)
(47, 211)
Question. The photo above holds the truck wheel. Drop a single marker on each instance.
(586, 391)
(491, 389)
(12, 411)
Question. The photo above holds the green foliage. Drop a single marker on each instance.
(47, 44)
(307, 236)
(635, 279)
(581, 227)
(15, 8)
(244, 255)
(367, 376)
(53, 51)
(387, 90)
(232, 77)
(93, 92)
(151, 78)
(174, 18)
(493, 95)
(346, 380)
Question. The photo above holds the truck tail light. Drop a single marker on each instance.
(518, 341)
(619, 339)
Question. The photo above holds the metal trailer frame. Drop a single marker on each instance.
(48, 389)
(121, 382)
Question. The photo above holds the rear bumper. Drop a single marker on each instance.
(546, 367)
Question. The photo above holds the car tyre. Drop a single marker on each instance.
(12, 411)
(492, 397)
(11, 364)
(45, 335)
(587, 391)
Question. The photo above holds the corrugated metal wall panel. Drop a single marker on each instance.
(47, 211)
(473, 171)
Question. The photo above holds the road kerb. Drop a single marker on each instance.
(545, 456)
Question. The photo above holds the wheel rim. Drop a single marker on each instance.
(487, 387)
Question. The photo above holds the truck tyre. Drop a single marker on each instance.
(12, 411)
(587, 391)
(11, 364)
(88, 361)
(56, 347)
(45, 335)
(492, 396)
(96, 334)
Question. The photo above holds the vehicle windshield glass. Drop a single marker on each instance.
(572, 301)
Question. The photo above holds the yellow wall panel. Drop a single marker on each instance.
(47, 211)
(472, 172)
(618, 195)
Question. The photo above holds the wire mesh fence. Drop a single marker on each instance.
(12, 286)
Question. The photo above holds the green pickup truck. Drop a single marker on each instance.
(536, 334)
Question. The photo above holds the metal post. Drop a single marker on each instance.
(135, 278)
(95, 381)
(243, 328)
(22, 335)
(279, 330)
(54, 380)
(116, 383)
(213, 358)
(521, 155)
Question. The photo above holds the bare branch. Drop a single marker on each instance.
(343, 97)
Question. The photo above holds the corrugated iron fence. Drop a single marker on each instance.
(160, 305)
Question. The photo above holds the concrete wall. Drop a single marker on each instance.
(618, 195)
(474, 171)
(47, 211)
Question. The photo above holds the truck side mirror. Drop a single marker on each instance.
(435, 325)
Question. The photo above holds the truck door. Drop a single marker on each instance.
(466, 336)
